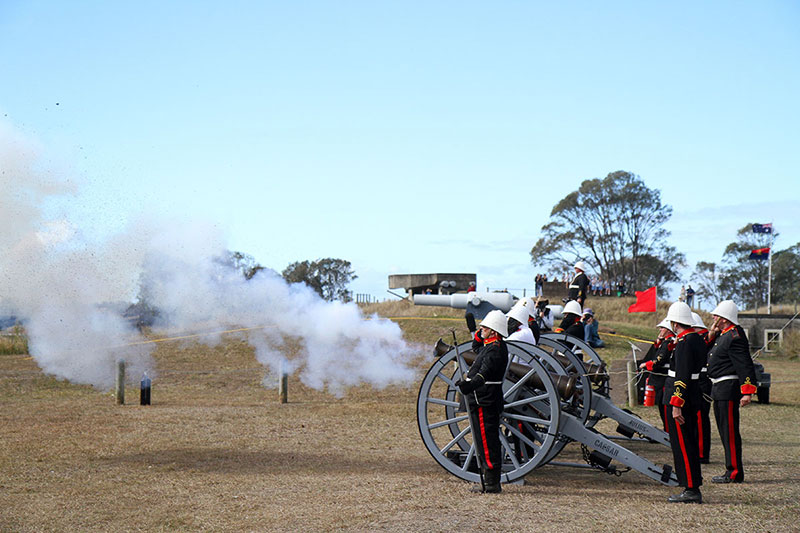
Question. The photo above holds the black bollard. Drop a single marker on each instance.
(144, 398)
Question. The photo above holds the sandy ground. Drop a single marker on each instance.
(216, 452)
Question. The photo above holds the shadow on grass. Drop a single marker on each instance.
(230, 461)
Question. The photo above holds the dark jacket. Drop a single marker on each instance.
(688, 359)
(571, 325)
(730, 356)
(579, 287)
(489, 368)
(657, 359)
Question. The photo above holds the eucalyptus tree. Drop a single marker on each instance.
(616, 224)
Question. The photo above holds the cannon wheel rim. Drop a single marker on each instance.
(513, 469)
(551, 364)
(588, 350)
(580, 343)
(576, 368)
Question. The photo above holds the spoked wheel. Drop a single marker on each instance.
(568, 340)
(445, 431)
(523, 353)
(575, 365)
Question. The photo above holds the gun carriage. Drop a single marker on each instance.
(552, 397)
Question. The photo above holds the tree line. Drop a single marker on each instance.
(616, 224)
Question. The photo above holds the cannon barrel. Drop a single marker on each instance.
(564, 384)
(479, 304)
(596, 373)
(499, 300)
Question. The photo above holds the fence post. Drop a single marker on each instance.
(283, 384)
(120, 389)
(633, 398)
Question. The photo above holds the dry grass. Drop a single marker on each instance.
(216, 452)
(13, 341)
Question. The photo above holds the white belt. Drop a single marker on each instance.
(574, 286)
(724, 378)
(493, 383)
(671, 373)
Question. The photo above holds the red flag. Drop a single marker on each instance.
(645, 302)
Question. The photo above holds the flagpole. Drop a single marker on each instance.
(769, 271)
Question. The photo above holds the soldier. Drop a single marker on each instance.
(579, 286)
(733, 379)
(571, 323)
(482, 388)
(703, 418)
(656, 361)
(518, 318)
(683, 390)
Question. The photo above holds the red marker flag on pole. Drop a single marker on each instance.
(645, 302)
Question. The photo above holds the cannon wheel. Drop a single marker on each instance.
(566, 340)
(576, 406)
(438, 418)
(582, 404)
(579, 366)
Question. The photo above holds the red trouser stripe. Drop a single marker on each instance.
(687, 467)
(483, 440)
(666, 414)
(700, 432)
(732, 442)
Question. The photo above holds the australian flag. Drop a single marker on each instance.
(762, 228)
(761, 253)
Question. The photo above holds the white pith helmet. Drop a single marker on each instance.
(580, 265)
(665, 324)
(697, 321)
(727, 310)
(573, 307)
(521, 311)
(681, 313)
(497, 321)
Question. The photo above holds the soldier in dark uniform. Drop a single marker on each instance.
(483, 390)
(656, 361)
(683, 390)
(579, 286)
(733, 375)
(703, 418)
(571, 322)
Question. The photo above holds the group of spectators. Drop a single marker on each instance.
(600, 287)
(597, 286)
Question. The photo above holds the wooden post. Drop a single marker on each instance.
(633, 398)
(283, 384)
(120, 392)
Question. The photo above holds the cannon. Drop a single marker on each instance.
(549, 402)
(479, 304)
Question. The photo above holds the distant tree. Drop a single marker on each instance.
(245, 263)
(327, 277)
(744, 280)
(786, 275)
(616, 225)
(708, 280)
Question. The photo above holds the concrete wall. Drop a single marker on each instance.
(755, 324)
(418, 283)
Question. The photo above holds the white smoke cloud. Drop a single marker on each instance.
(57, 285)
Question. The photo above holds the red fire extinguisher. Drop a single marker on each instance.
(649, 394)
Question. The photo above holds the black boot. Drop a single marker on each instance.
(492, 480)
(687, 496)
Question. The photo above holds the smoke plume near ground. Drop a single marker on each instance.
(59, 286)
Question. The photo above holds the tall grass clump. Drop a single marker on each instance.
(790, 347)
(14, 342)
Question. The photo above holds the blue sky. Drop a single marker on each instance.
(408, 136)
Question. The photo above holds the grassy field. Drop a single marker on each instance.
(217, 452)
